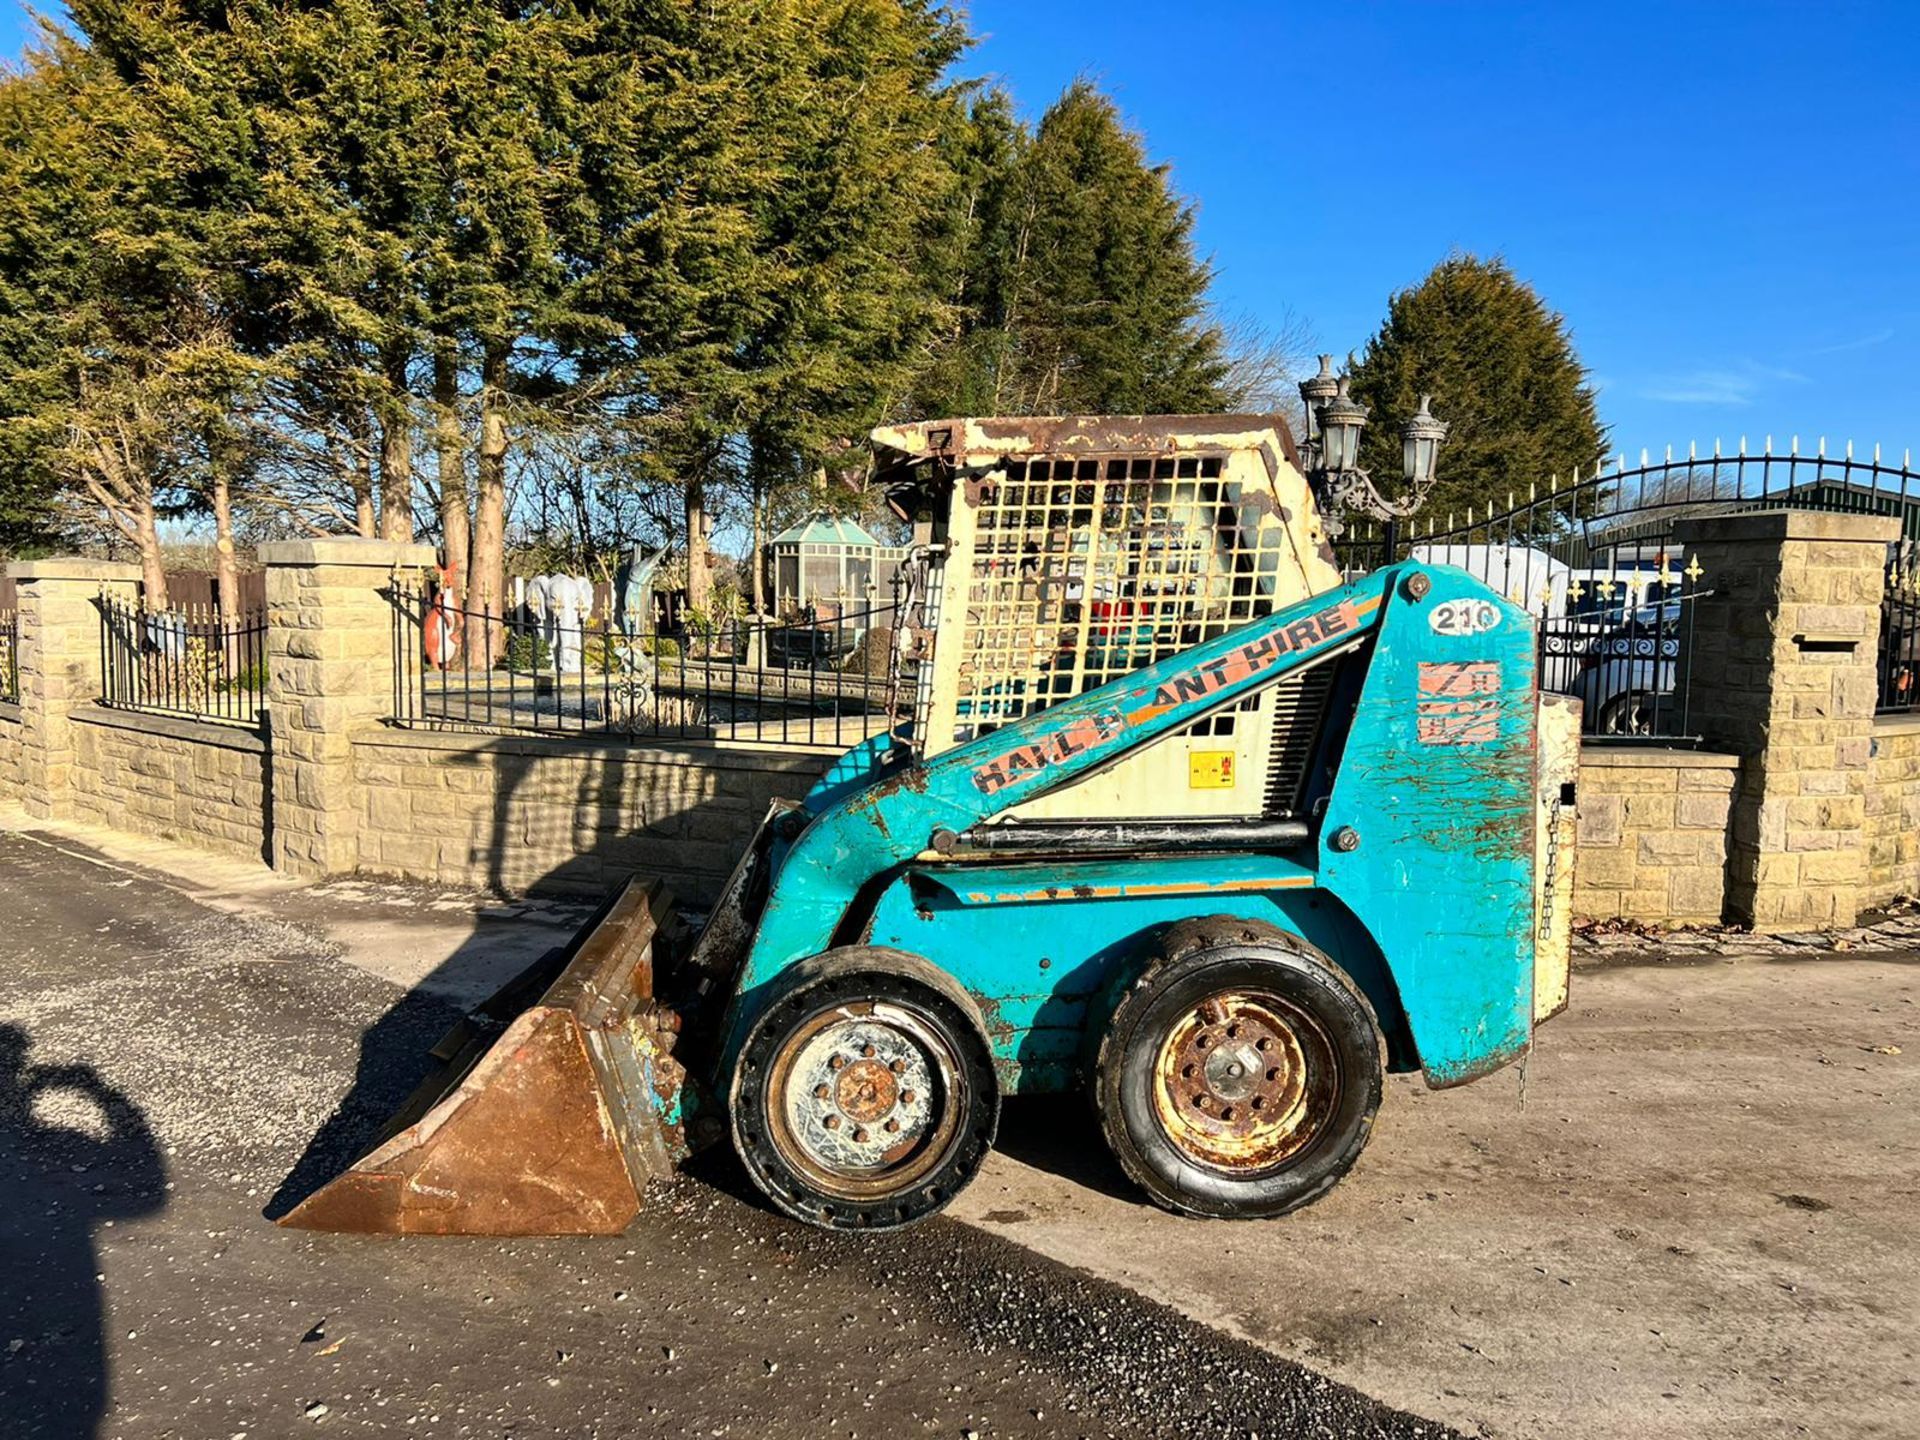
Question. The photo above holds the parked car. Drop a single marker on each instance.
(1626, 672)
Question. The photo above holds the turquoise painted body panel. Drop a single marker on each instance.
(1432, 911)
(1044, 961)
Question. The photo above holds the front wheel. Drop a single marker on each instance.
(865, 1095)
(1240, 1074)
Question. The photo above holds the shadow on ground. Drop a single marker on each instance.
(1057, 1134)
(76, 1153)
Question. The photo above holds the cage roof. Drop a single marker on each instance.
(820, 528)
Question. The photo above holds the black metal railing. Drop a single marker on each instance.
(825, 678)
(10, 656)
(191, 662)
(1899, 676)
(1594, 559)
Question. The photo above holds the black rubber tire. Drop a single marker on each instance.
(856, 976)
(1198, 958)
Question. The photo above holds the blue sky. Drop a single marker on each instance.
(1722, 198)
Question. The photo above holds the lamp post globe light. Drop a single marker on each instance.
(1335, 421)
(1317, 391)
(1420, 441)
(1341, 421)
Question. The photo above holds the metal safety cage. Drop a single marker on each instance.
(830, 679)
(190, 661)
(1086, 568)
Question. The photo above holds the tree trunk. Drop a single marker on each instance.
(758, 559)
(699, 579)
(146, 538)
(489, 578)
(360, 473)
(226, 572)
(449, 449)
(396, 455)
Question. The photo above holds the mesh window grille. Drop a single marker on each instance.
(1087, 568)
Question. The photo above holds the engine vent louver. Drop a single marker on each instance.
(1299, 708)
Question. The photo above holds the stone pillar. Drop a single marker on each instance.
(1782, 657)
(330, 638)
(59, 666)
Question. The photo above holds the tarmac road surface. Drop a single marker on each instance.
(164, 1069)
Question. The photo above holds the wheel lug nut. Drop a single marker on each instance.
(860, 1136)
(1233, 1032)
(832, 1122)
(892, 1127)
(821, 1092)
(1273, 1074)
(1227, 1114)
(1204, 1041)
(907, 1097)
(1259, 1102)
(1265, 1042)
(838, 1062)
(899, 1067)
(1186, 1072)
(869, 1051)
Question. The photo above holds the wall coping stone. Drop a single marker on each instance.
(1655, 757)
(1908, 724)
(177, 727)
(10, 710)
(346, 550)
(712, 754)
(1789, 525)
(72, 567)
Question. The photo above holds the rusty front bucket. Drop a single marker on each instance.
(553, 1105)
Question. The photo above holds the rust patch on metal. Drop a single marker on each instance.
(542, 1119)
(1244, 1081)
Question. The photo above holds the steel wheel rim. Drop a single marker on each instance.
(1244, 1082)
(886, 1118)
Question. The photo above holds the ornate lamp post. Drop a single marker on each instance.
(1335, 421)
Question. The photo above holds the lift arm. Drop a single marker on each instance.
(890, 822)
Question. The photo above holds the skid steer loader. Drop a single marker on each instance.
(1172, 813)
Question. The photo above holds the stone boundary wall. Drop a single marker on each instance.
(186, 780)
(1652, 834)
(1818, 815)
(516, 814)
(1893, 810)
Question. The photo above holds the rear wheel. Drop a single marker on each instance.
(865, 1095)
(1240, 1074)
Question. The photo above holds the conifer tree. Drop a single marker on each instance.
(1504, 375)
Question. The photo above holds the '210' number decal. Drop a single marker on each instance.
(1464, 617)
